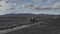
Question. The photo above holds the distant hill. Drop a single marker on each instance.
(28, 15)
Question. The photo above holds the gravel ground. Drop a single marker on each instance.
(49, 27)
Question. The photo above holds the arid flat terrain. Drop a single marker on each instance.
(48, 27)
(50, 24)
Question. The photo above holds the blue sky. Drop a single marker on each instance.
(42, 3)
(30, 6)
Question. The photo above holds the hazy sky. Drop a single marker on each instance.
(29, 6)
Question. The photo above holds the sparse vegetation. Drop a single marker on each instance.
(50, 22)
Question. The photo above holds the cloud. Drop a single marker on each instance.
(38, 1)
(6, 7)
(43, 7)
(56, 5)
(50, 1)
(27, 5)
(36, 7)
(44, 1)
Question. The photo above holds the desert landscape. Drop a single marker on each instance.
(46, 24)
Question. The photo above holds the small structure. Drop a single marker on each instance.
(33, 20)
